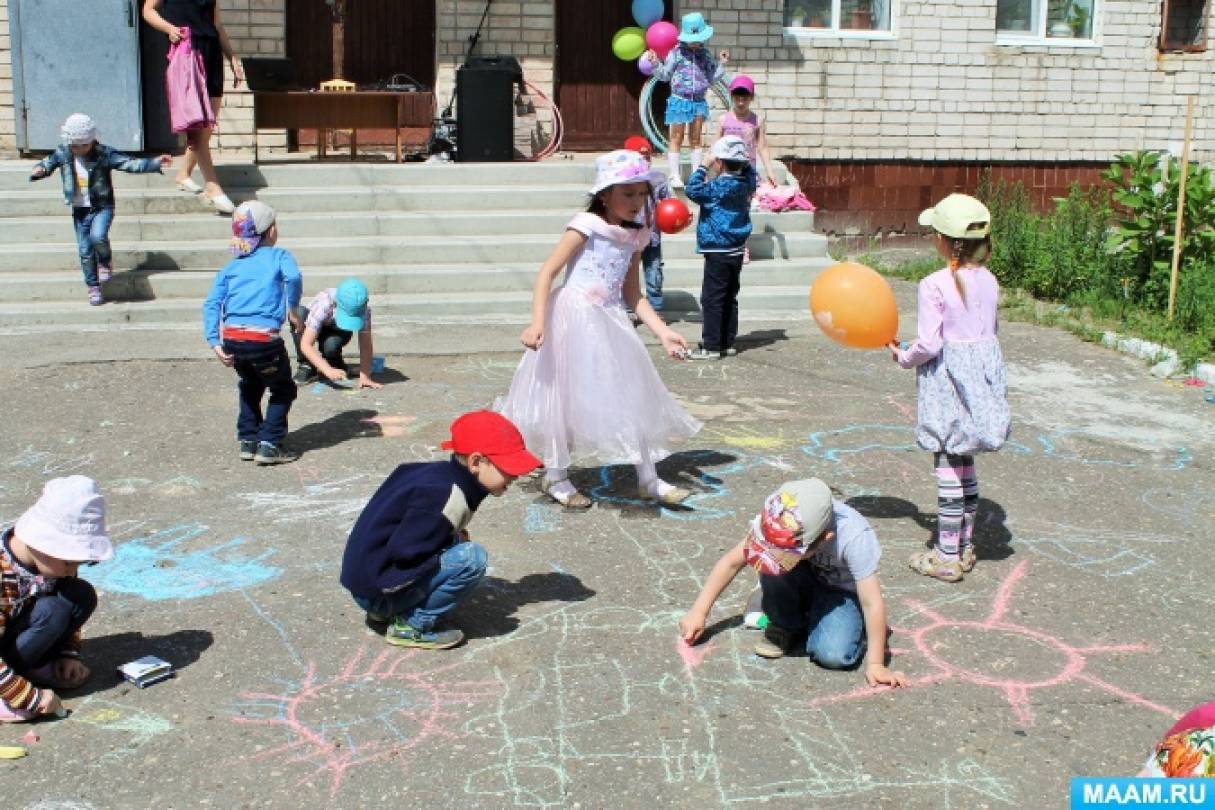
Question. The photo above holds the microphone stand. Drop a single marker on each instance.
(473, 39)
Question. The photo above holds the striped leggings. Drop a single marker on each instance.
(957, 502)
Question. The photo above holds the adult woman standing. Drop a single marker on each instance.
(209, 38)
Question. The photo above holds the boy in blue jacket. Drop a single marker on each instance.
(85, 166)
(721, 236)
(409, 561)
(242, 318)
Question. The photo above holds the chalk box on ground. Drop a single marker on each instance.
(144, 672)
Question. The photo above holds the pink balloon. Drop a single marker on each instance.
(661, 37)
(645, 66)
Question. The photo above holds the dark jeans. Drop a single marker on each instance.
(832, 619)
(37, 635)
(651, 268)
(261, 366)
(719, 300)
(92, 239)
(330, 341)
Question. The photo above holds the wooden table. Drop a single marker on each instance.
(353, 111)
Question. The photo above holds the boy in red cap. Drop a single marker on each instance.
(408, 560)
(651, 255)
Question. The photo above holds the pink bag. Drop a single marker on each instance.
(186, 87)
(782, 198)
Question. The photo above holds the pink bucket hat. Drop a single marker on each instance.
(620, 167)
(67, 522)
(793, 517)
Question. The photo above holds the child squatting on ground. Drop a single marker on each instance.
(691, 70)
(330, 320)
(408, 560)
(85, 166)
(722, 229)
(961, 381)
(587, 387)
(242, 318)
(43, 604)
(817, 560)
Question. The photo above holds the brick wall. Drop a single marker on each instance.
(8, 120)
(520, 29)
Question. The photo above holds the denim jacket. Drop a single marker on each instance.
(725, 209)
(99, 163)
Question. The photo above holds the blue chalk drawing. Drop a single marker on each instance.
(156, 569)
(540, 519)
(700, 506)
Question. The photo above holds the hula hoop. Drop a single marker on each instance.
(646, 111)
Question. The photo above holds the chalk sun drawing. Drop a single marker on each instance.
(137, 725)
(372, 710)
(996, 632)
(157, 567)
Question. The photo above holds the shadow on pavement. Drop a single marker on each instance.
(104, 654)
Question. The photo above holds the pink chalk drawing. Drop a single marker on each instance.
(376, 709)
(693, 656)
(975, 636)
(389, 426)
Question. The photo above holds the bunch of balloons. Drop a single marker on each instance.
(651, 33)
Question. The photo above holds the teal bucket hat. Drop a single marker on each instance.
(695, 29)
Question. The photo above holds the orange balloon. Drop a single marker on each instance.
(854, 306)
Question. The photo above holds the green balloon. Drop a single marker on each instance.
(628, 43)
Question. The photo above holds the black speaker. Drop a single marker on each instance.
(485, 108)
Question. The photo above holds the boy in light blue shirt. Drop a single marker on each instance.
(242, 317)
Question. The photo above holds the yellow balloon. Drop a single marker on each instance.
(854, 306)
(628, 43)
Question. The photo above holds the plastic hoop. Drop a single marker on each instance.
(646, 111)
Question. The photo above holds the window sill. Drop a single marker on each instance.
(832, 33)
(1015, 41)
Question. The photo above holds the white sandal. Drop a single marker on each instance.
(221, 203)
(189, 186)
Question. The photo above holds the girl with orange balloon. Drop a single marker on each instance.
(960, 376)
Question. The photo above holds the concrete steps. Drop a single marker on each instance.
(431, 241)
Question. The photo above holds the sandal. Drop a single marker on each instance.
(930, 565)
(189, 186)
(575, 500)
(967, 559)
(672, 497)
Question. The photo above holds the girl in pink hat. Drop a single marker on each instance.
(742, 122)
(586, 388)
(43, 604)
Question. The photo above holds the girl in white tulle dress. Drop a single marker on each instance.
(587, 389)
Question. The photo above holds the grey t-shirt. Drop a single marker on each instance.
(851, 555)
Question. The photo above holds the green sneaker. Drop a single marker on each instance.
(401, 634)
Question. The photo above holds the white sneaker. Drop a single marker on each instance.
(221, 203)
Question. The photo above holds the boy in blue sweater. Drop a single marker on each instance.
(409, 560)
(242, 318)
(721, 236)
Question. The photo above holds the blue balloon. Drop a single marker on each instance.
(647, 12)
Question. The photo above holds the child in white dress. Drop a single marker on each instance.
(587, 389)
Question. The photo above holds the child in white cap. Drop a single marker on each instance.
(817, 560)
(960, 377)
(43, 604)
(586, 387)
(85, 166)
(242, 318)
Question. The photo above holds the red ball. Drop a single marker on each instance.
(672, 216)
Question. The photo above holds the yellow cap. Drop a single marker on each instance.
(959, 216)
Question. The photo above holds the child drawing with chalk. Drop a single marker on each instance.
(817, 560)
(43, 603)
(409, 560)
(961, 381)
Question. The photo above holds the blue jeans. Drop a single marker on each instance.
(798, 602)
(651, 266)
(424, 601)
(262, 366)
(92, 239)
(36, 636)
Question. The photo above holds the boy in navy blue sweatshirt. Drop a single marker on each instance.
(242, 318)
(409, 560)
(721, 236)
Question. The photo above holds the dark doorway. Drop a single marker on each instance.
(382, 38)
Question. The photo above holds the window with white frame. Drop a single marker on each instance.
(1184, 25)
(1046, 19)
(838, 15)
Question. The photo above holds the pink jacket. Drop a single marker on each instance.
(186, 87)
(945, 317)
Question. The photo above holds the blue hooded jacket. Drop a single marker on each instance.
(725, 209)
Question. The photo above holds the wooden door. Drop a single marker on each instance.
(383, 37)
(596, 92)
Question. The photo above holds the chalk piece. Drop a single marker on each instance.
(11, 752)
(61, 712)
(377, 364)
(30, 737)
(904, 345)
(144, 672)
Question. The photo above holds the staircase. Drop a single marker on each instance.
(456, 242)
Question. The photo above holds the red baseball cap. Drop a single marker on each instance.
(639, 144)
(493, 436)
